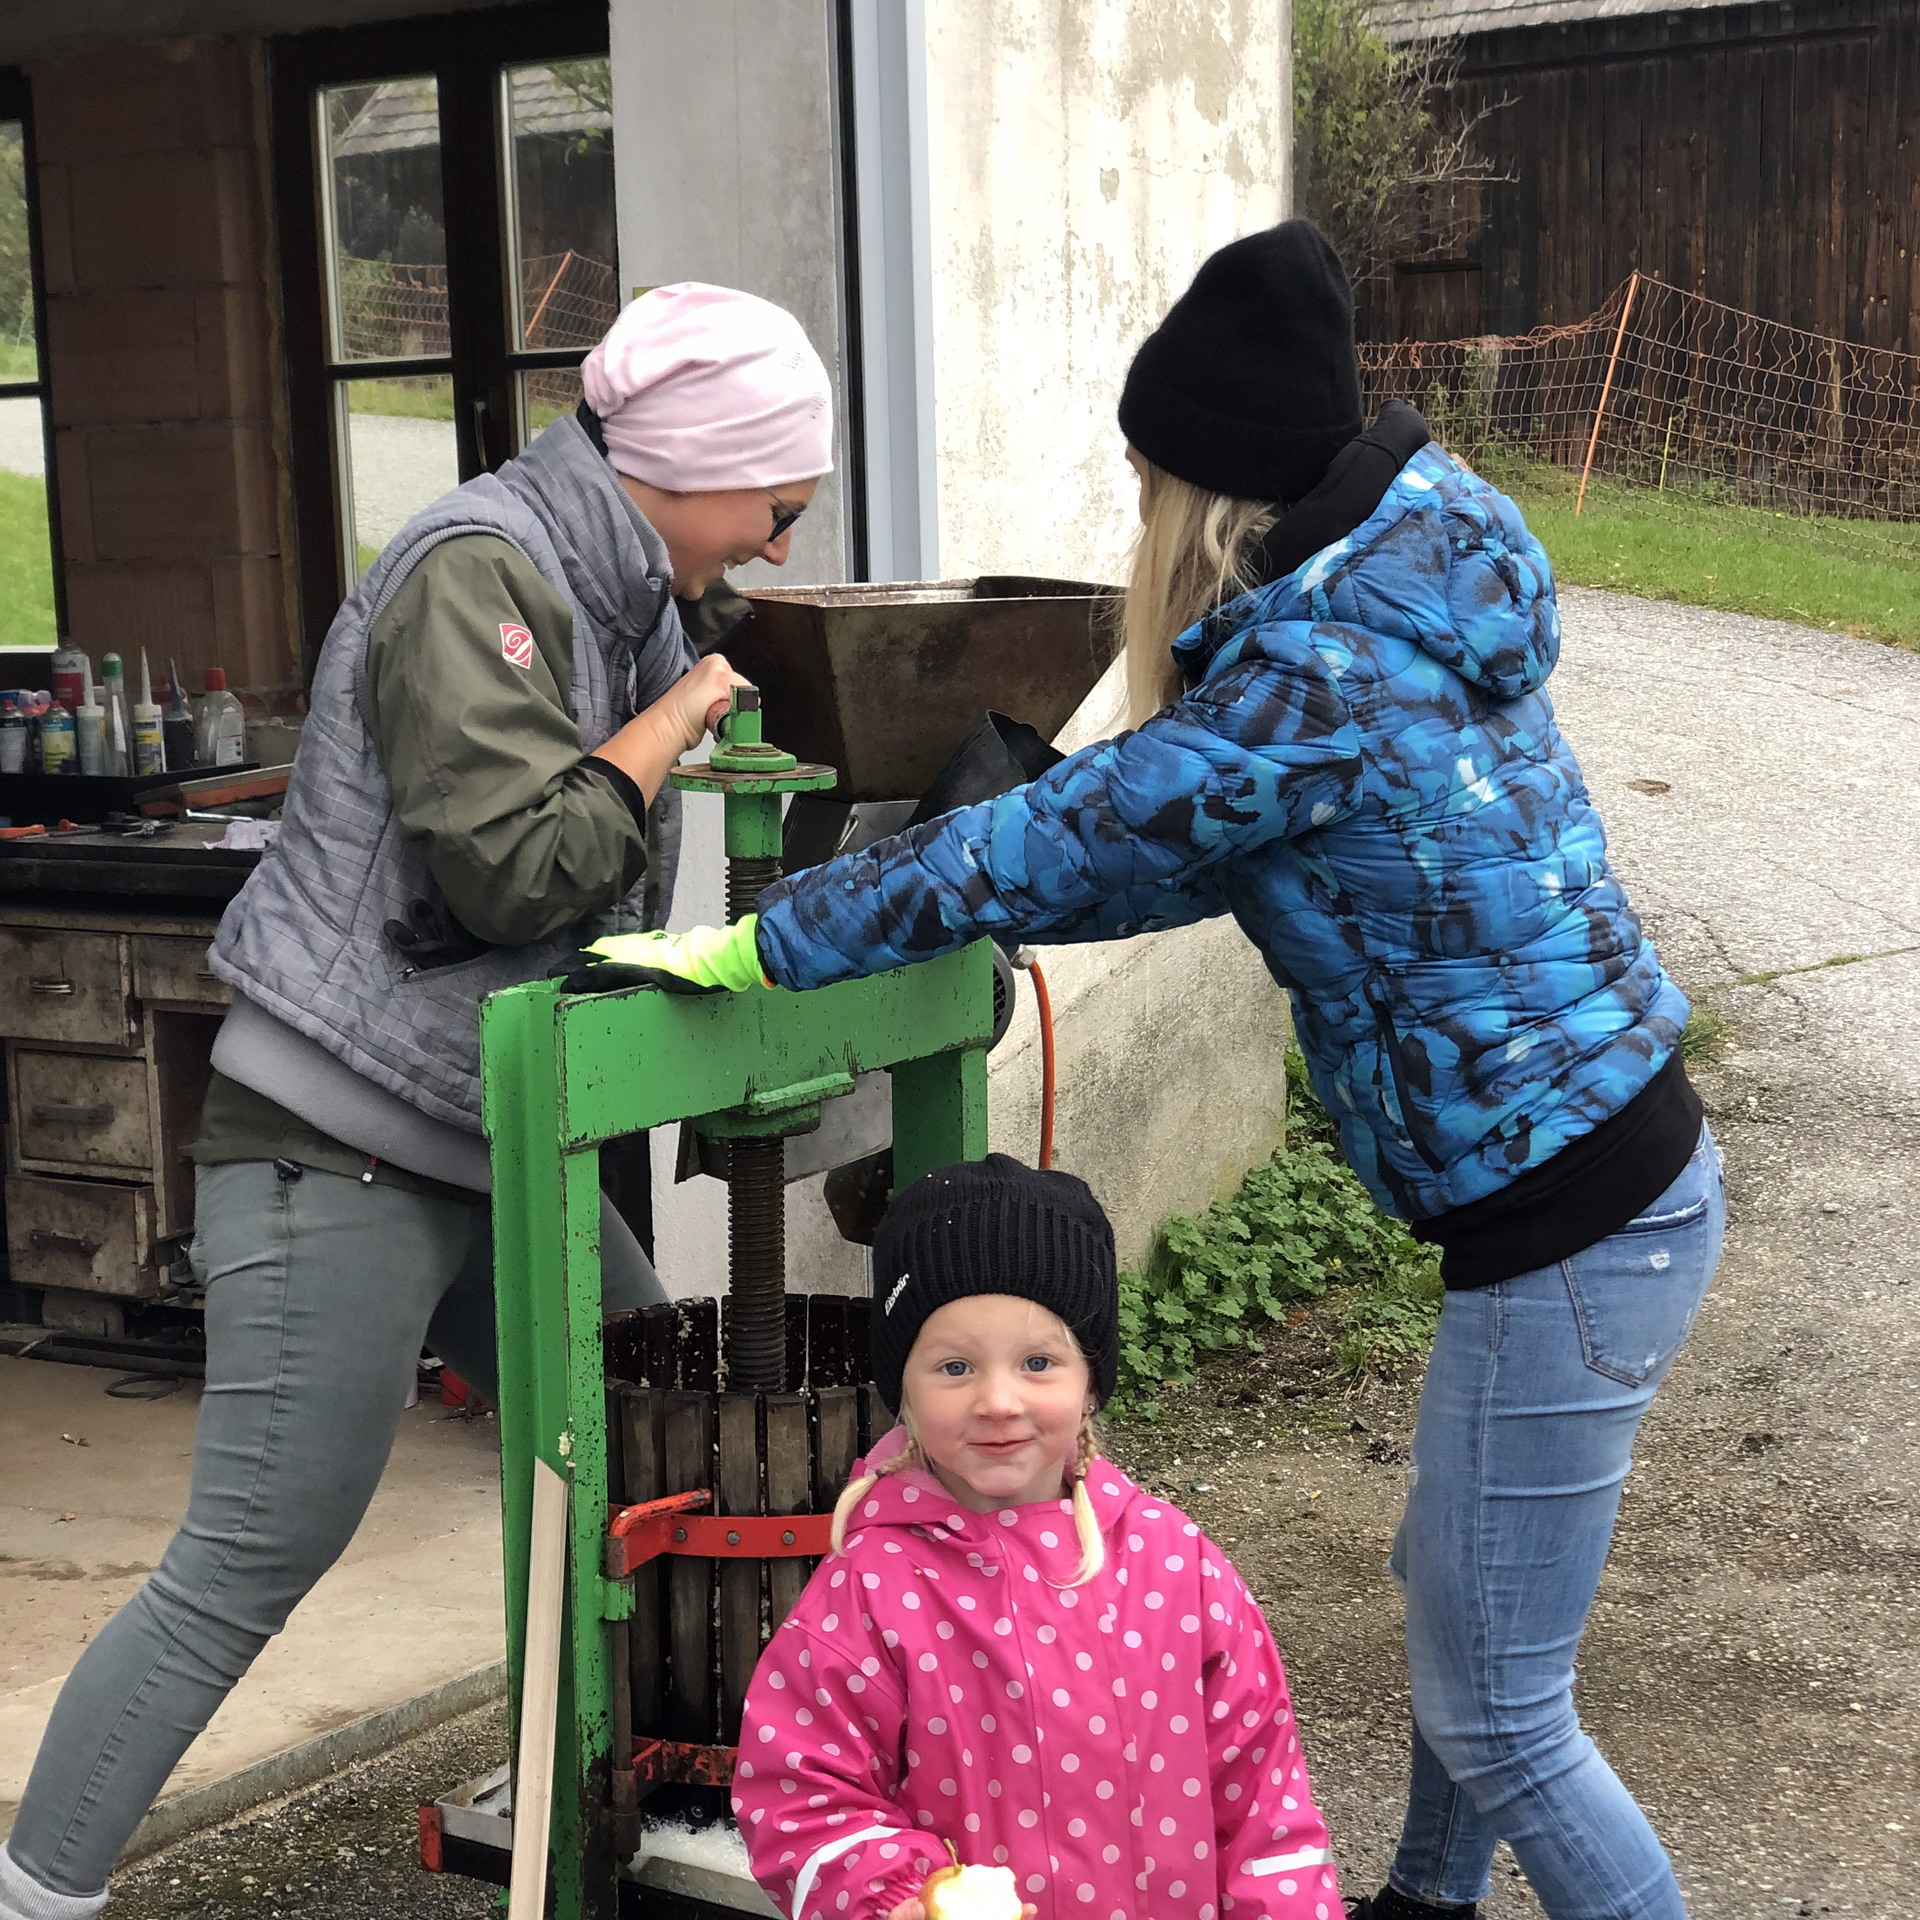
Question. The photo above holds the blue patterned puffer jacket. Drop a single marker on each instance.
(1367, 775)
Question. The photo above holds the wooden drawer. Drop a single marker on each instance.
(80, 1110)
(85, 1235)
(174, 972)
(61, 985)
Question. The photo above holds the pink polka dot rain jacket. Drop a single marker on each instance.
(1127, 1747)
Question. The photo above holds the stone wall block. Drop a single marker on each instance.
(123, 357)
(234, 373)
(164, 493)
(248, 634)
(143, 99)
(54, 187)
(120, 607)
(151, 221)
(72, 462)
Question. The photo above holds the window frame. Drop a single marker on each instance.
(16, 103)
(464, 53)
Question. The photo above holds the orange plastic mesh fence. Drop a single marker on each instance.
(391, 310)
(1695, 394)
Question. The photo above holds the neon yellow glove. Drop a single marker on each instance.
(701, 960)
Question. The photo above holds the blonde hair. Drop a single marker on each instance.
(1086, 1523)
(1193, 552)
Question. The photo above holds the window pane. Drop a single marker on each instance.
(399, 453)
(559, 136)
(544, 397)
(19, 356)
(26, 552)
(385, 220)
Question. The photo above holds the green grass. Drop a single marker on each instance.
(26, 568)
(17, 361)
(425, 400)
(1851, 576)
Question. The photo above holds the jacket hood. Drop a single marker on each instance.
(913, 1499)
(1445, 562)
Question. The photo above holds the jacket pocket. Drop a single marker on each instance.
(1397, 1066)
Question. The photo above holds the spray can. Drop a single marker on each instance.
(57, 741)
(149, 741)
(118, 758)
(176, 725)
(72, 676)
(90, 735)
(13, 738)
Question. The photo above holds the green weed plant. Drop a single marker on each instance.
(1300, 1230)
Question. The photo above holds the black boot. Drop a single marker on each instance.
(1389, 1904)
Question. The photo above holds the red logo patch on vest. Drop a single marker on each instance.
(516, 644)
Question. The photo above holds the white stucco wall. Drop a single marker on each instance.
(1086, 156)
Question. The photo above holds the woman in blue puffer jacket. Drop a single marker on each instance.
(1349, 747)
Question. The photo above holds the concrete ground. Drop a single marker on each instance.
(91, 1489)
(399, 466)
(1751, 1667)
(23, 447)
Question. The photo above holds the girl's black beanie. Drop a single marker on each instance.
(1250, 385)
(994, 1226)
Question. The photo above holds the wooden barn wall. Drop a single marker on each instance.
(1764, 156)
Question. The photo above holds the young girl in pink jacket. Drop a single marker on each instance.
(1013, 1650)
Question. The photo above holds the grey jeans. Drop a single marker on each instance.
(321, 1291)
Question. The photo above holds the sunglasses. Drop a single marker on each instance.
(783, 517)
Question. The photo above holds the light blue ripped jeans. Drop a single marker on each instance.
(1533, 1396)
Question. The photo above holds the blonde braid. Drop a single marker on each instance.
(1086, 1523)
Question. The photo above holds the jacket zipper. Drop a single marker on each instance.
(1397, 1066)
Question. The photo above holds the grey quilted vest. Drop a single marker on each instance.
(304, 937)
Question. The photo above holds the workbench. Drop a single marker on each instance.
(108, 1012)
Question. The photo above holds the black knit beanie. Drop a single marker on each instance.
(995, 1226)
(1250, 385)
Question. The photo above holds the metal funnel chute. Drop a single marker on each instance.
(885, 680)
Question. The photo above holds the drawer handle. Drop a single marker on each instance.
(71, 1110)
(52, 983)
(72, 1242)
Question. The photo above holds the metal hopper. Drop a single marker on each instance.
(884, 680)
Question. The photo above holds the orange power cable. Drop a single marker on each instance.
(1044, 1004)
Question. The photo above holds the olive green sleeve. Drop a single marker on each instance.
(524, 834)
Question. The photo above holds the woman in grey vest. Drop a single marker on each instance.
(494, 711)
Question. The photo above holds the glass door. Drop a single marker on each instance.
(448, 256)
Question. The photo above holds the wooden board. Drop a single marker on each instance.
(539, 1695)
(740, 1580)
(689, 1459)
(789, 1490)
(643, 1465)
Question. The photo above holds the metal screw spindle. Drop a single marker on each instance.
(756, 1212)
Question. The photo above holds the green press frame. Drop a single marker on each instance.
(562, 1073)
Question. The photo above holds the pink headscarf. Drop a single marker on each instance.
(702, 389)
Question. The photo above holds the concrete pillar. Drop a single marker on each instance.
(162, 350)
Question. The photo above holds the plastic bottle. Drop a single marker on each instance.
(90, 735)
(177, 726)
(57, 753)
(149, 741)
(72, 676)
(222, 725)
(13, 738)
(119, 727)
